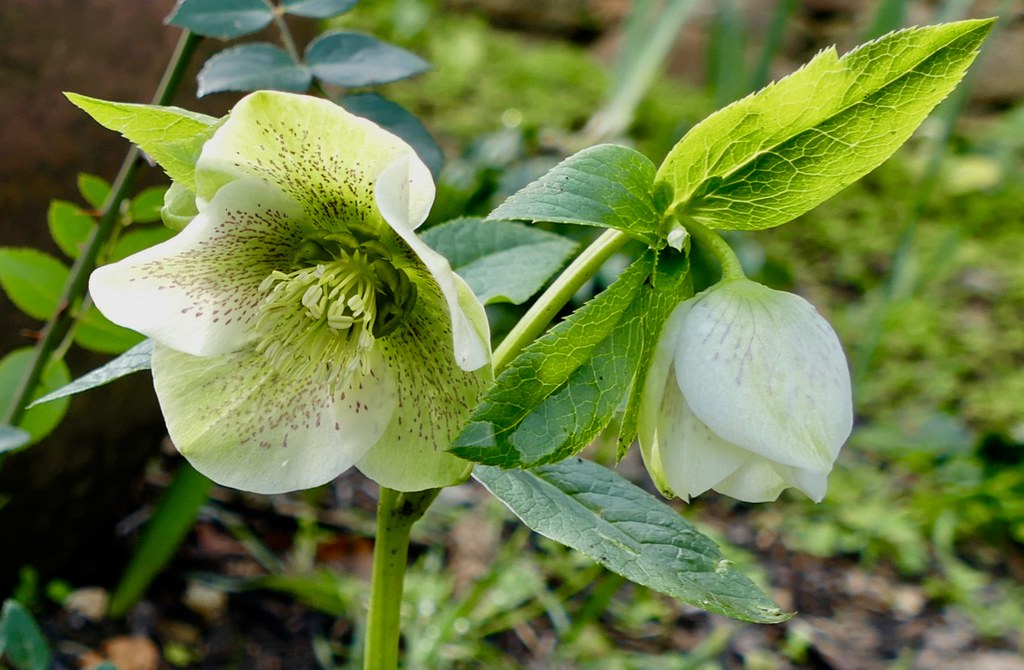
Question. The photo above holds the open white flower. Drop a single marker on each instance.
(748, 393)
(301, 326)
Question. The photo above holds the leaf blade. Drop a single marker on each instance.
(225, 19)
(251, 67)
(770, 157)
(500, 260)
(136, 359)
(354, 60)
(598, 513)
(608, 186)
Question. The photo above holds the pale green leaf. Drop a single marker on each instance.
(627, 530)
(96, 332)
(95, 190)
(145, 207)
(173, 137)
(38, 422)
(608, 186)
(32, 280)
(500, 260)
(69, 226)
(134, 360)
(771, 156)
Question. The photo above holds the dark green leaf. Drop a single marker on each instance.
(607, 186)
(95, 190)
(251, 67)
(221, 18)
(563, 389)
(38, 422)
(69, 226)
(353, 60)
(173, 137)
(598, 513)
(145, 207)
(500, 260)
(32, 280)
(12, 438)
(21, 638)
(395, 118)
(175, 513)
(318, 9)
(134, 360)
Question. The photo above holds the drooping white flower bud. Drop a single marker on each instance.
(748, 394)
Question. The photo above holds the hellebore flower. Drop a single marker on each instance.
(748, 393)
(301, 326)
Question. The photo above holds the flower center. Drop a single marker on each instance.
(321, 319)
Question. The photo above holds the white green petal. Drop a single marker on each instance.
(435, 397)
(242, 425)
(197, 292)
(764, 371)
(397, 196)
(322, 157)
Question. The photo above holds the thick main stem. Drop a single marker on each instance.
(396, 513)
(59, 324)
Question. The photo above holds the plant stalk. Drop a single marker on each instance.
(77, 284)
(557, 295)
(396, 513)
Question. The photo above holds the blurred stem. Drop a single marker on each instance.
(558, 294)
(286, 34)
(77, 284)
(396, 513)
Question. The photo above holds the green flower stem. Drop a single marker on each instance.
(60, 323)
(558, 294)
(713, 242)
(396, 513)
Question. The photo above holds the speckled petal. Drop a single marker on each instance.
(242, 425)
(435, 397)
(767, 373)
(311, 149)
(401, 195)
(197, 292)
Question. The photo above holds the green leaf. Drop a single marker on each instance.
(563, 389)
(608, 186)
(251, 67)
(395, 118)
(353, 60)
(317, 9)
(173, 137)
(770, 157)
(69, 226)
(145, 207)
(38, 422)
(96, 332)
(94, 189)
(627, 530)
(138, 239)
(500, 260)
(174, 516)
(135, 359)
(221, 18)
(12, 438)
(21, 638)
(32, 280)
